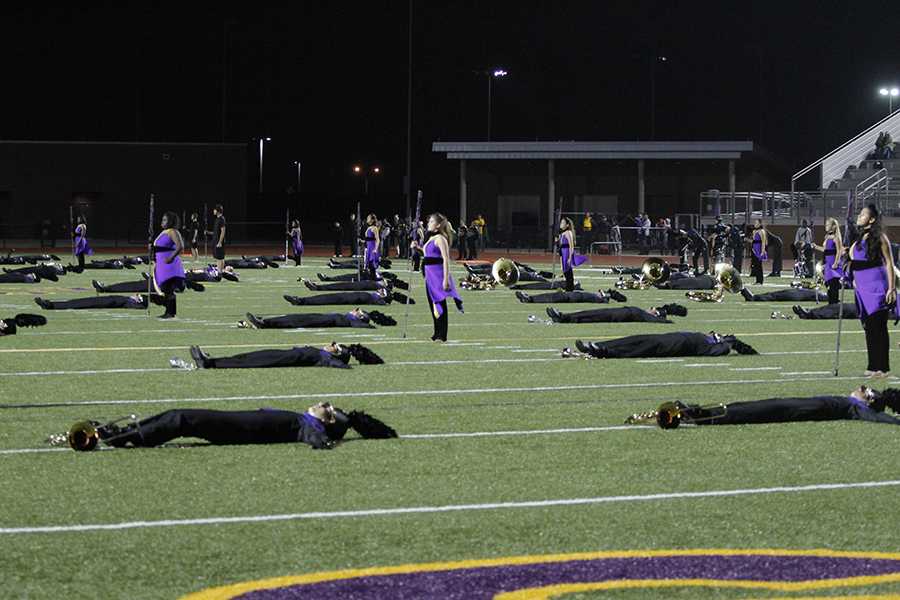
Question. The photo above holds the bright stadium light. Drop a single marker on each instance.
(500, 73)
(890, 94)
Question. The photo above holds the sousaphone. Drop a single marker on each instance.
(505, 272)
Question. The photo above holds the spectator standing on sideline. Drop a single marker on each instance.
(587, 233)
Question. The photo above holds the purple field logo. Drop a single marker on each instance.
(551, 576)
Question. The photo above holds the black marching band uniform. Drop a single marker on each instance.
(664, 345)
(355, 318)
(321, 427)
(624, 314)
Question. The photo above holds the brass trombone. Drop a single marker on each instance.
(670, 415)
(84, 436)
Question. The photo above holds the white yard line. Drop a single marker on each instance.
(447, 392)
(417, 436)
(446, 508)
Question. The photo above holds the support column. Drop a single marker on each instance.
(463, 185)
(551, 201)
(731, 183)
(640, 207)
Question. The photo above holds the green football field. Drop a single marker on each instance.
(506, 449)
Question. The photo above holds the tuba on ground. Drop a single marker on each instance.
(728, 279)
(84, 436)
(817, 281)
(653, 270)
(505, 272)
(670, 415)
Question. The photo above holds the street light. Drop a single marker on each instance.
(891, 94)
(261, 141)
(365, 172)
(297, 162)
(491, 75)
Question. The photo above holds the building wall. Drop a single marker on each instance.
(110, 184)
(671, 186)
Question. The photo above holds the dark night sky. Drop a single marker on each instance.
(327, 80)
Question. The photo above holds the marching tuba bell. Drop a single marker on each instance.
(730, 279)
(505, 272)
(655, 270)
(83, 436)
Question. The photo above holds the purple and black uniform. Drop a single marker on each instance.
(313, 320)
(340, 298)
(82, 248)
(298, 356)
(757, 256)
(297, 245)
(832, 276)
(168, 276)
(681, 343)
(790, 410)
(565, 255)
(870, 283)
(433, 271)
(373, 256)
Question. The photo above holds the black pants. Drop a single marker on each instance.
(704, 252)
(570, 280)
(337, 298)
(298, 258)
(168, 289)
(264, 359)
(834, 290)
(738, 260)
(307, 320)
(371, 269)
(877, 341)
(756, 268)
(417, 259)
(440, 323)
(96, 302)
(81, 260)
(791, 410)
(561, 297)
(125, 287)
(220, 427)
(461, 255)
(775, 253)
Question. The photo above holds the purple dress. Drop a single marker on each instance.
(577, 259)
(164, 247)
(830, 252)
(81, 243)
(296, 242)
(869, 282)
(758, 251)
(373, 258)
(433, 269)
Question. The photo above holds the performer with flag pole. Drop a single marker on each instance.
(150, 252)
(413, 242)
(555, 234)
(287, 226)
(72, 228)
(168, 272)
(436, 270)
(849, 238)
(205, 232)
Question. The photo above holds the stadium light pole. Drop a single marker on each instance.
(364, 172)
(656, 59)
(491, 75)
(262, 142)
(297, 162)
(891, 93)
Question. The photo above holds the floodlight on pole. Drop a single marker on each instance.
(890, 94)
(262, 141)
(491, 75)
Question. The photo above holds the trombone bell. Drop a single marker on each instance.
(83, 436)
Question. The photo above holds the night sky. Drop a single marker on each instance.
(327, 80)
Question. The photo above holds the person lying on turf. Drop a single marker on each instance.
(862, 404)
(126, 287)
(379, 297)
(526, 273)
(110, 263)
(354, 318)
(544, 285)
(211, 274)
(700, 282)
(786, 295)
(31, 259)
(662, 345)
(321, 426)
(561, 297)
(49, 271)
(827, 311)
(10, 326)
(624, 314)
(96, 302)
(355, 277)
(354, 286)
(333, 355)
(350, 263)
(19, 278)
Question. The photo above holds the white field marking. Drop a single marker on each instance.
(526, 350)
(659, 360)
(755, 369)
(469, 343)
(380, 512)
(415, 436)
(795, 373)
(449, 392)
(695, 365)
(502, 347)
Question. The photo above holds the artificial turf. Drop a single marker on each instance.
(499, 373)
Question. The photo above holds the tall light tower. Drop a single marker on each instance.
(491, 75)
(262, 142)
(890, 93)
